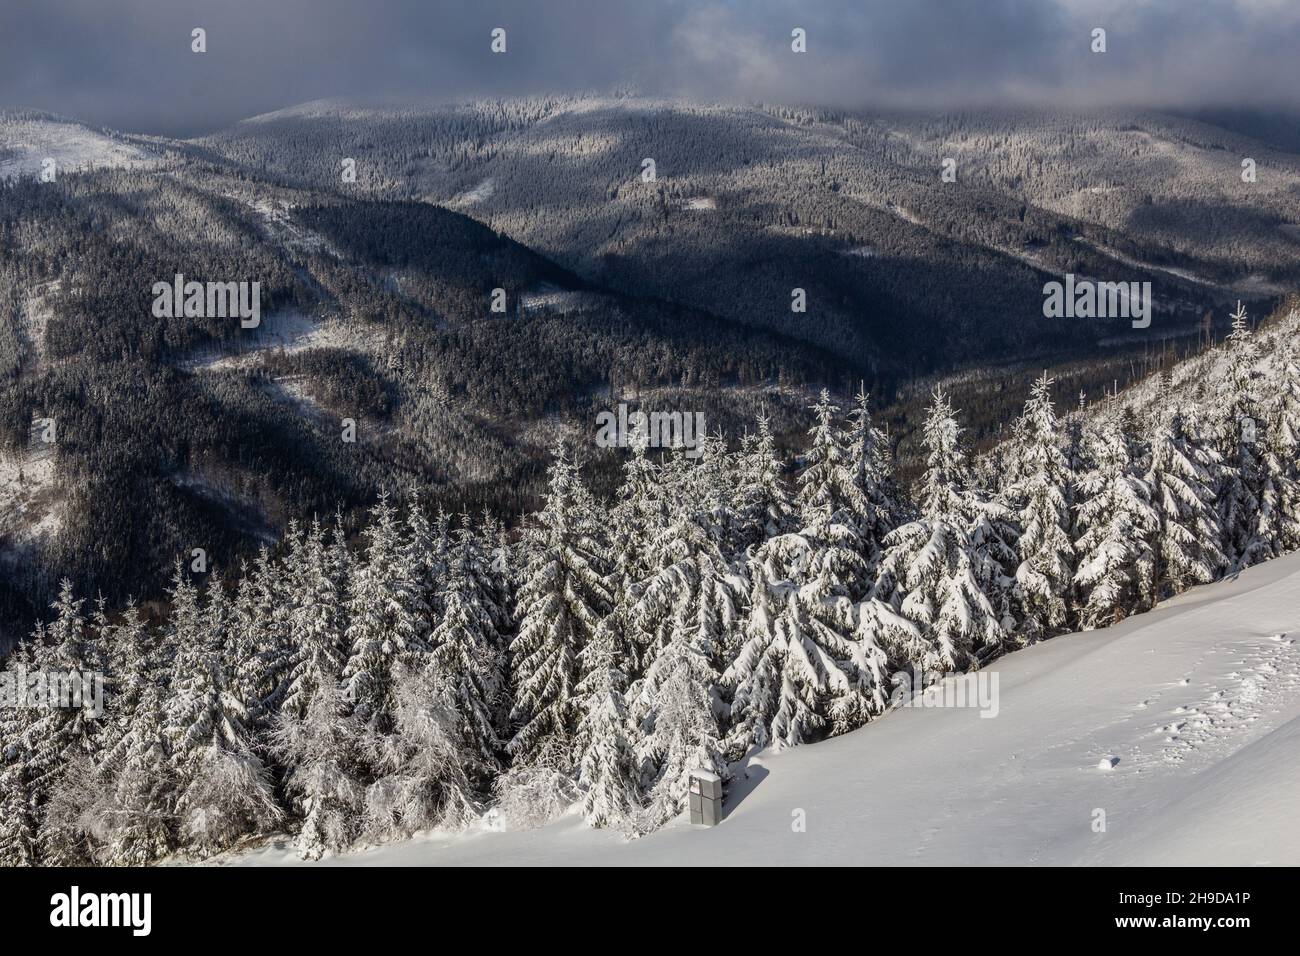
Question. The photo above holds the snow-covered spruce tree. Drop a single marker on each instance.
(828, 471)
(1284, 432)
(493, 568)
(816, 653)
(140, 822)
(321, 747)
(561, 599)
(1181, 479)
(763, 508)
(1044, 573)
(267, 596)
(1279, 495)
(608, 772)
(1238, 428)
(19, 808)
(1076, 451)
(682, 733)
(639, 511)
(427, 549)
(607, 765)
(812, 659)
(1117, 522)
(64, 741)
(466, 663)
(387, 617)
(712, 484)
(134, 767)
(423, 762)
(994, 535)
(829, 490)
(1282, 462)
(223, 788)
(753, 676)
(877, 504)
(315, 736)
(133, 665)
(689, 605)
(1279, 519)
(316, 624)
(929, 571)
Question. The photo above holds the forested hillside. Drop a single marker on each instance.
(902, 269)
(675, 293)
(714, 606)
(197, 433)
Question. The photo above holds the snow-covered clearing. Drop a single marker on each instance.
(701, 204)
(26, 143)
(547, 295)
(1251, 285)
(30, 510)
(277, 219)
(1199, 700)
(480, 193)
(288, 331)
(33, 320)
(905, 214)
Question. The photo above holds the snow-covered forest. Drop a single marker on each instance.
(440, 669)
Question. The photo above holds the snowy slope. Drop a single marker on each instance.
(26, 140)
(1200, 700)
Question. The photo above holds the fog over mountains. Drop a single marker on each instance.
(77, 58)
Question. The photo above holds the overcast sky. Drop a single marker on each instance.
(128, 63)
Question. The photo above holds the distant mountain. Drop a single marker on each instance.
(903, 271)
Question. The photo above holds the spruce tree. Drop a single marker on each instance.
(764, 509)
(1238, 428)
(387, 617)
(316, 626)
(1044, 573)
(142, 816)
(688, 607)
(562, 597)
(19, 801)
(607, 765)
(930, 571)
(1181, 479)
(65, 740)
(466, 661)
(876, 504)
(1118, 525)
(323, 747)
(223, 788)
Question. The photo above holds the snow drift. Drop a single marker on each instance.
(1199, 699)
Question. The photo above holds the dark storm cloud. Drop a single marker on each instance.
(127, 63)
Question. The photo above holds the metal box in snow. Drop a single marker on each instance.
(706, 798)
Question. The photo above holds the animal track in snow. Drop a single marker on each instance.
(1268, 672)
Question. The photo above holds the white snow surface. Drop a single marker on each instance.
(26, 143)
(1199, 699)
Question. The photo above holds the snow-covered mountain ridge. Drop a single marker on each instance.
(1199, 699)
(28, 140)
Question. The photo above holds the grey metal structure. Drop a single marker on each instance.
(706, 798)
